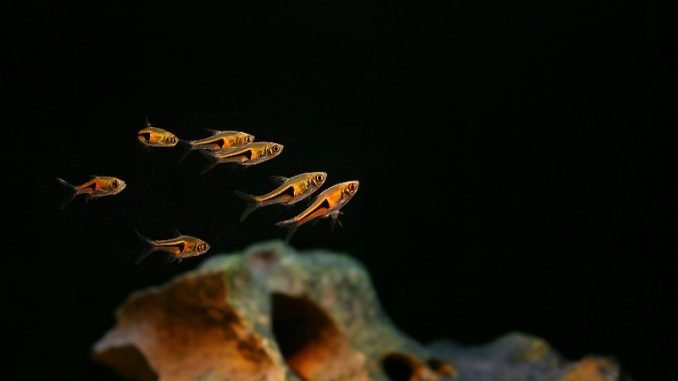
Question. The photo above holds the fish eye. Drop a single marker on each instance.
(115, 183)
(351, 187)
(248, 139)
(319, 178)
(173, 139)
(276, 148)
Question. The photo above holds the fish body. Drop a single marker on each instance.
(156, 137)
(178, 248)
(291, 191)
(249, 154)
(97, 186)
(218, 141)
(326, 204)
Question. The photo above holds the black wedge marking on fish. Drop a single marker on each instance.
(220, 142)
(247, 154)
(146, 135)
(93, 186)
(289, 192)
(325, 204)
(180, 245)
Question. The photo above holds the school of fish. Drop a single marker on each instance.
(228, 147)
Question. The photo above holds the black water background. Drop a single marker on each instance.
(512, 176)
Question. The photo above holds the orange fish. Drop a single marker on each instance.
(218, 141)
(249, 154)
(290, 191)
(97, 186)
(183, 246)
(156, 137)
(327, 204)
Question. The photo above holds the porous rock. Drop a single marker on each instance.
(273, 314)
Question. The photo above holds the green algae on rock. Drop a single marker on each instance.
(273, 314)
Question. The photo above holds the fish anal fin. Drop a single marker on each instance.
(335, 219)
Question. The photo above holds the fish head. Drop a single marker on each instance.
(115, 185)
(318, 179)
(349, 189)
(274, 149)
(244, 138)
(201, 247)
(170, 140)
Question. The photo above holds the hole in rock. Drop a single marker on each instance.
(308, 339)
(129, 362)
(440, 366)
(398, 367)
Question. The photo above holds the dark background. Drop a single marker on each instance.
(512, 173)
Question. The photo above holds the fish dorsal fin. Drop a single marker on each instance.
(147, 123)
(278, 180)
(177, 232)
(93, 176)
(213, 131)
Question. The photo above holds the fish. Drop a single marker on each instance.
(178, 248)
(97, 186)
(218, 141)
(326, 205)
(156, 137)
(249, 154)
(289, 192)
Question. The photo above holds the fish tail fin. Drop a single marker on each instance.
(251, 206)
(149, 247)
(213, 163)
(72, 189)
(291, 226)
(187, 149)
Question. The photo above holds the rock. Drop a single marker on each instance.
(272, 314)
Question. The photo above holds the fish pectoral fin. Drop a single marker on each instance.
(278, 180)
